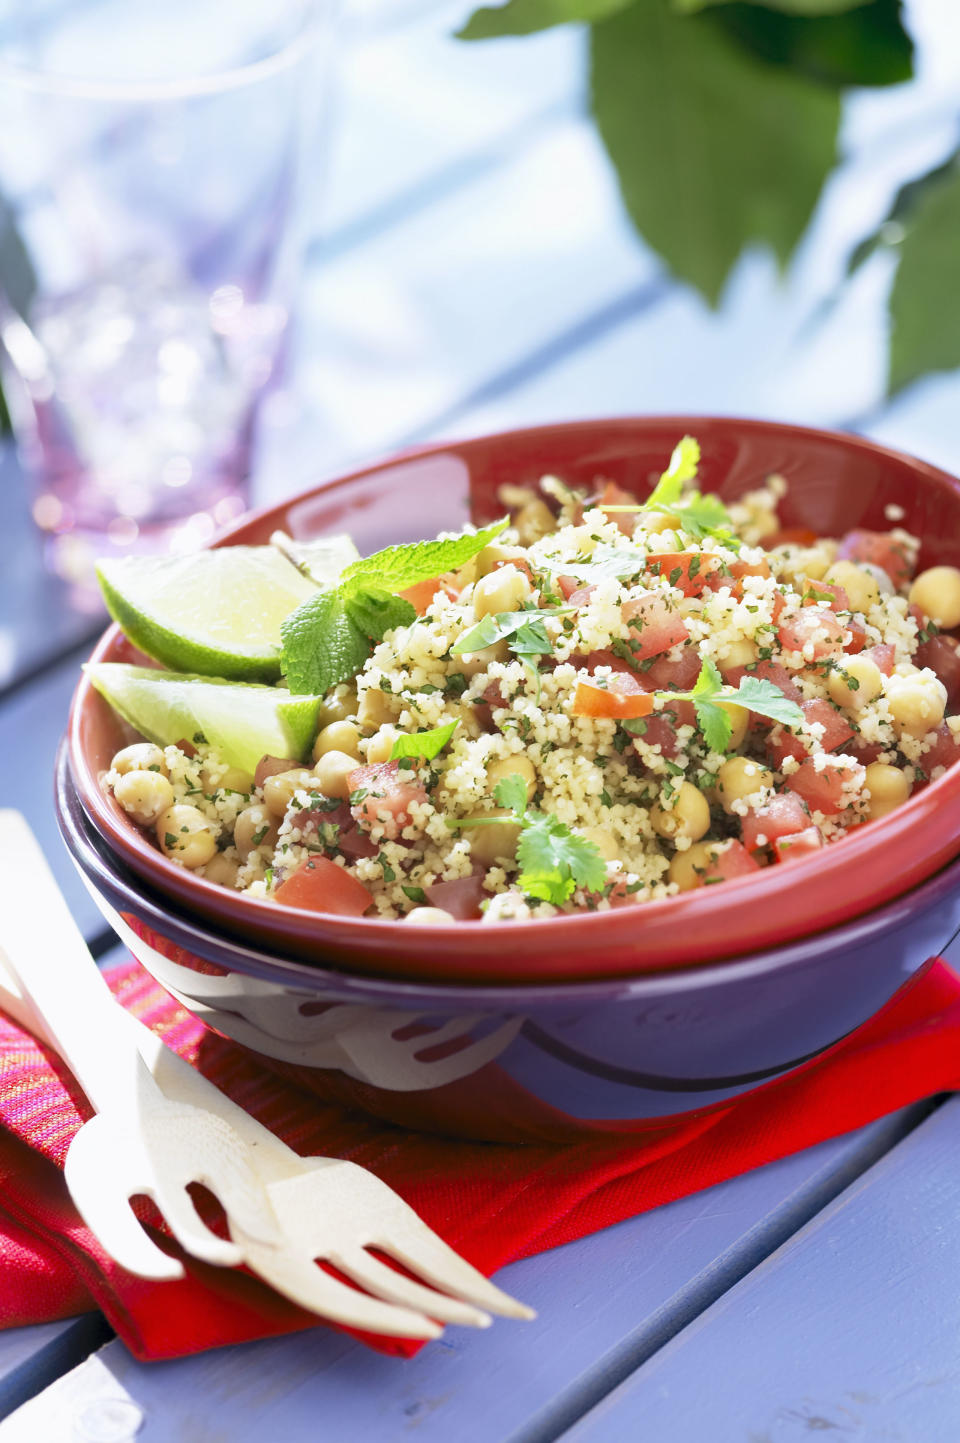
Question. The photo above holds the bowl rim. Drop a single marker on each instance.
(104, 872)
(687, 911)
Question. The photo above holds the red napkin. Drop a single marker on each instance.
(492, 1202)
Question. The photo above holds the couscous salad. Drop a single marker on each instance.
(595, 703)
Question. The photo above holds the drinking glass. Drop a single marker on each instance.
(151, 155)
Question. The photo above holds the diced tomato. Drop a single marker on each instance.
(771, 671)
(567, 585)
(878, 548)
(733, 861)
(622, 696)
(680, 672)
(824, 790)
(581, 596)
(387, 796)
(461, 898)
(836, 731)
(660, 728)
(618, 896)
(865, 752)
(829, 593)
(944, 752)
(797, 844)
(858, 635)
(319, 885)
(614, 495)
(739, 569)
(592, 659)
(884, 655)
(791, 536)
(655, 626)
(688, 571)
(354, 842)
(421, 593)
(812, 628)
(942, 655)
(782, 816)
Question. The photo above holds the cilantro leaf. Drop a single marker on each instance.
(511, 792)
(327, 639)
(398, 567)
(322, 644)
(423, 744)
(554, 861)
(683, 467)
(715, 723)
(768, 700)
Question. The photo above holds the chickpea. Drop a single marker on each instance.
(888, 787)
(493, 840)
(186, 835)
(687, 867)
(255, 828)
(740, 777)
(339, 705)
(269, 766)
(491, 557)
(381, 743)
(603, 841)
(338, 736)
(738, 653)
(278, 791)
(466, 714)
(232, 780)
(689, 816)
(937, 593)
(222, 870)
(516, 766)
(473, 661)
(764, 523)
(855, 684)
(141, 757)
(502, 590)
(917, 703)
(739, 723)
(861, 588)
(532, 521)
(430, 917)
(143, 796)
(375, 708)
(332, 772)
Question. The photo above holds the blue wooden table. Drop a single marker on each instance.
(471, 269)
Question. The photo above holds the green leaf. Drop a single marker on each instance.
(767, 700)
(682, 467)
(714, 149)
(715, 724)
(377, 612)
(416, 894)
(925, 300)
(554, 861)
(427, 744)
(865, 46)
(322, 644)
(505, 624)
(511, 792)
(398, 567)
(523, 17)
(792, 7)
(906, 202)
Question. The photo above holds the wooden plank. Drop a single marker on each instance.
(32, 722)
(603, 1302)
(32, 1358)
(851, 1329)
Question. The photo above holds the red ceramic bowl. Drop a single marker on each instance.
(836, 482)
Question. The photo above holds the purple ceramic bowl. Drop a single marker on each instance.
(556, 1061)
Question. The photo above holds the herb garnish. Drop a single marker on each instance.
(423, 744)
(700, 515)
(753, 693)
(327, 639)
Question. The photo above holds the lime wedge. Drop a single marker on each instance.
(321, 560)
(213, 612)
(241, 720)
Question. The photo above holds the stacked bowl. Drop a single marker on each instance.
(571, 1026)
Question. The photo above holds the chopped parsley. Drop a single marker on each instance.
(753, 693)
(416, 894)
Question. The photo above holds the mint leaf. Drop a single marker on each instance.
(427, 744)
(511, 792)
(398, 567)
(792, 7)
(925, 300)
(554, 861)
(508, 624)
(606, 560)
(322, 645)
(377, 612)
(866, 45)
(523, 17)
(767, 700)
(714, 148)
